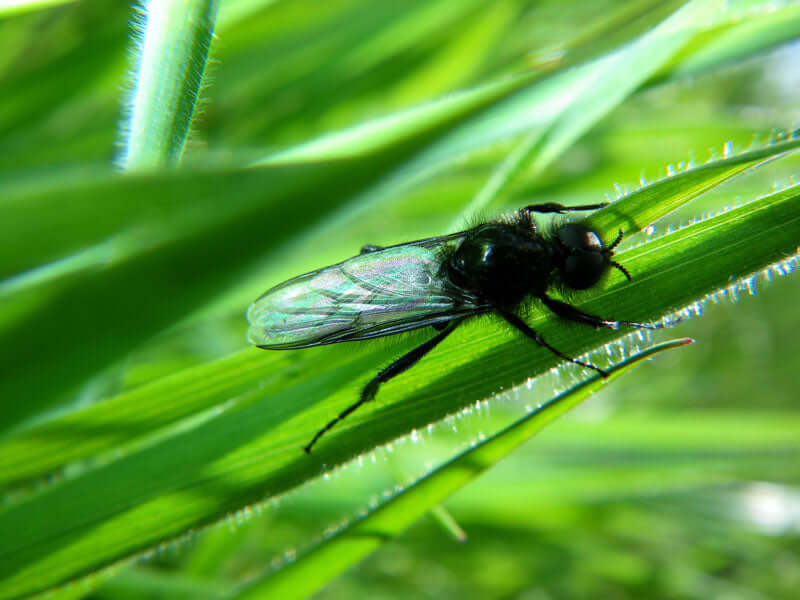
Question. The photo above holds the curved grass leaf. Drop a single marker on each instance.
(747, 28)
(43, 448)
(566, 105)
(324, 562)
(84, 489)
(602, 87)
(172, 40)
(656, 200)
(251, 81)
(187, 236)
(14, 7)
(163, 242)
(253, 450)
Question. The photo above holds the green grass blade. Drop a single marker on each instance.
(253, 451)
(618, 76)
(172, 39)
(659, 450)
(125, 419)
(568, 103)
(48, 446)
(656, 200)
(320, 565)
(132, 241)
(160, 238)
(123, 430)
(155, 226)
(605, 86)
(742, 32)
(16, 7)
(377, 135)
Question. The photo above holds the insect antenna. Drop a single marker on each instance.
(616, 265)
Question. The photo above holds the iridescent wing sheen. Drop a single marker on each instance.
(380, 293)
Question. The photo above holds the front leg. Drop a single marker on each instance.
(570, 313)
(525, 329)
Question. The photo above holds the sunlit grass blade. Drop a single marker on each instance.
(742, 31)
(253, 451)
(655, 452)
(119, 421)
(605, 85)
(93, 316)
(618, 76)
(206, 224)
(164, 243)
(145, 582)
(330, 558)
(15, 7)
(172, 39)
(373, 136)
(656, 200)
(137, 426)
(55, 215)
(559, 110)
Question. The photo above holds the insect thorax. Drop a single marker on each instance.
(503, 263)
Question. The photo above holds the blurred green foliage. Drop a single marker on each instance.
(680, 482)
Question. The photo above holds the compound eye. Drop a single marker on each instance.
(583, 269)
(578, 237)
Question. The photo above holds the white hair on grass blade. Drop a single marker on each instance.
(171, 41)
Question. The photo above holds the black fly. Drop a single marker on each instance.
(438, 282)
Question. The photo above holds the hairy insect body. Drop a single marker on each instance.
(502, 264)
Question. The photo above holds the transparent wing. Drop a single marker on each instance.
(371, 295)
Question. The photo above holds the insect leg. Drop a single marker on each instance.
(570, 313)
(370, 248)
(553, 207)
(400, 365)
(523, 327)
